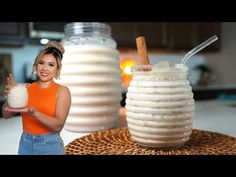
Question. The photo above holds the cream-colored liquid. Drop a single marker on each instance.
(92, 74)
(160, 109)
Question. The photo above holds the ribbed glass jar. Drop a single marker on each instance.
(160, 106)
(90, 68)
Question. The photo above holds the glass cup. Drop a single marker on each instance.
(160, 106)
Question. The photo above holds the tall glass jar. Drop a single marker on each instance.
(160, 106)
(90, 68)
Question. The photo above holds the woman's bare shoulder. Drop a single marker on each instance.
(64, 90)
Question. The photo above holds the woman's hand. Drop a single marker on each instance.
(9, 109)
(27, 110)
(10, 83)
(10, 80)
(8, 112)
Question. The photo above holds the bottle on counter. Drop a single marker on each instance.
(92, 73)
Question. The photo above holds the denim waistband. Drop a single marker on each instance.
(38, 137)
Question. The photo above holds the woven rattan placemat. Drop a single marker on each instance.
(118, 142)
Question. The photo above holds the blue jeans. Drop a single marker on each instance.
(46, 144)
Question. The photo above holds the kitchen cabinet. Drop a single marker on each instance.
(187, 35)
(123, 33)
(12, 33)
(166, 35)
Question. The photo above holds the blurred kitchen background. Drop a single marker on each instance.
(212, 71)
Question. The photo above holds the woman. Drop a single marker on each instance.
(48, 105)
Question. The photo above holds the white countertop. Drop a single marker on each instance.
(215, 116)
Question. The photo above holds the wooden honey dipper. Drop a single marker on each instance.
(142, 50)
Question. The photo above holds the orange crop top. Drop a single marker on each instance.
(44, 100)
